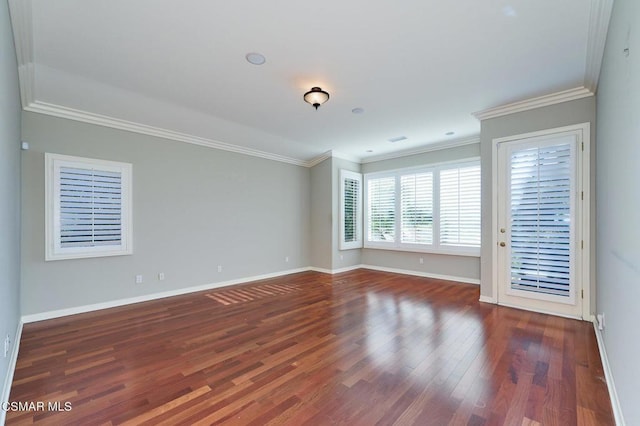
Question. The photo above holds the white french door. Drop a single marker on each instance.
(540, 223)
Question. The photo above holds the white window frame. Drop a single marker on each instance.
(397, 245)
(53, 246)
(349, 245)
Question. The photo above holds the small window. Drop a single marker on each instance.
(88, 206)
(350, 210)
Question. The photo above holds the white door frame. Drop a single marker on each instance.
(583, 182)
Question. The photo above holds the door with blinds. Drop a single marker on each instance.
(539, 223)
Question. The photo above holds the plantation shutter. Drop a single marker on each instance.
(541, 228)
(381, 209)
(90, 207)
(416, 195)
(351, 200)
(460, 206)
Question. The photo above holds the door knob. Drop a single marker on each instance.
(502, 244)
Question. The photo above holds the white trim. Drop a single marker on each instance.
(116, 123)
(321, 270)
(148, 297)
(343, 175)
(608, 375)
(533, 103)
(334, 271)
(53, 248)
(585, 274)
(422, 274)
(26, 319)
(21, 21)
(598, 26)
(539, 311)
(11, 368)
(319, 159)
(487, 299)
(336, 154)
(427, 148)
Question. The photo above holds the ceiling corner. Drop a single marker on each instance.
(20, 11)
(598, 27)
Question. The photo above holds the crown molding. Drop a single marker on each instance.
(319, 159)
(343, 156)
(533, 103)
(20, 12)
(116, 123)
(427, 148)
(599, 18)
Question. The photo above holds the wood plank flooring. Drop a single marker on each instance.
(359, 348)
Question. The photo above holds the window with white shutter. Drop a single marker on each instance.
(381, 209)
(350, 210)
(459, 206)
(426, 209)
(416, 194)
(88, 207)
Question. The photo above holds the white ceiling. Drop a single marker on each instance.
(419, 68)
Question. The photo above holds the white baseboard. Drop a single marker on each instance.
(487, 299)
(608, 375)
(321, 270)
(334, 271)
(540, 311)
(422, 274)
(11, 368)
(148, 297)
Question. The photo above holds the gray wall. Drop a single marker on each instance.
(618, 186)
(321, 215)
(563, 114)
(9, 189)
(467, 267)
(194, 208)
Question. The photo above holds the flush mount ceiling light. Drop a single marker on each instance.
(316, 97)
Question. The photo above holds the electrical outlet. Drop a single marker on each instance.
(422, 260)
(219, 268)
(600, 318)
(161, 276)
(341, 257)
(286, 259)
(7, 345)
(138, 279)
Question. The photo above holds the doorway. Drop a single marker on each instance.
(541, 217)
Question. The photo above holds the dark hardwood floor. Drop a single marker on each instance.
(359, 348)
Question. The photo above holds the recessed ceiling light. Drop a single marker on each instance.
(397, 139)
(358, 110)
(255, 58)
(369, 150)
(450, 133)
(509, 11)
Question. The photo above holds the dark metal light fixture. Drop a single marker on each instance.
(316, 97)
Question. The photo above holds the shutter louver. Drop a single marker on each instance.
(381, 207)
(351, 195)
(541, 230)
(460, 206)
(416, 194)
(90, 208)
